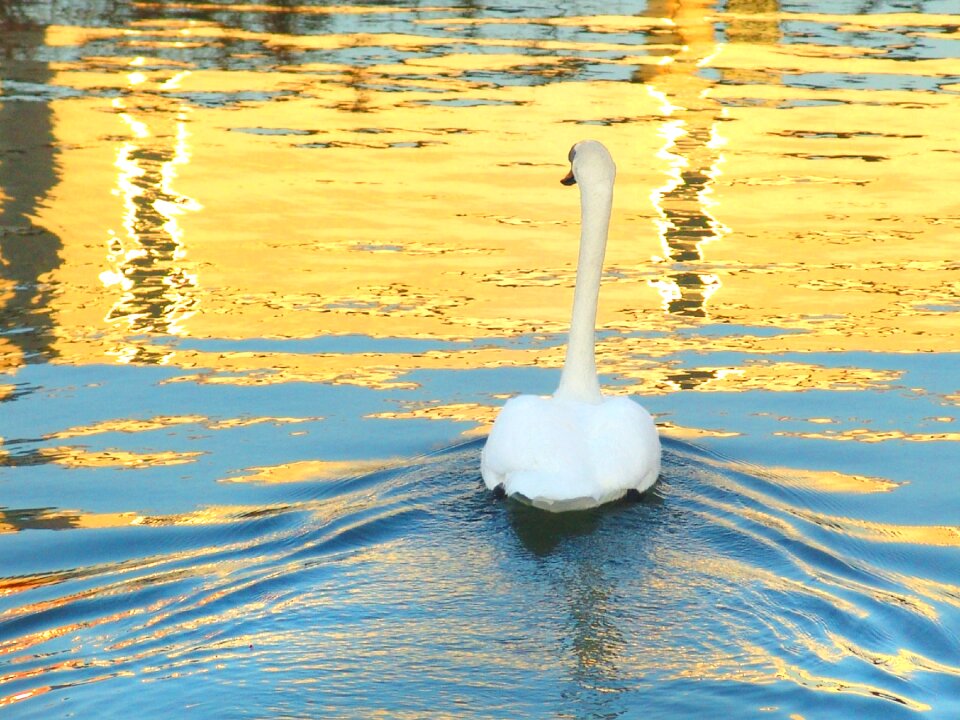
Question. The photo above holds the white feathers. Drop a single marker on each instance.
(577, 448)
(564, 454)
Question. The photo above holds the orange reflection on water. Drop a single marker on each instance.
(671, 429)
(67, 519)
(903, 664)
(147, 261)
(16, 697)
(751, 375)
(285, 8)
(137, 425)
(829, 480)
(406, 160)
(822, 683)
(79, 457)
(128, 426)
(482, 416)
(313, 470)
(867, 435)
(692, 151)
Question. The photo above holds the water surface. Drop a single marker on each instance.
(268, 270)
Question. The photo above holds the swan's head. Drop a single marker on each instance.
(590, 162)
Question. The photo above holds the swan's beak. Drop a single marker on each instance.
(569, 179)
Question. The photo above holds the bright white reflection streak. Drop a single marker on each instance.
(153, 245)
(673, 130)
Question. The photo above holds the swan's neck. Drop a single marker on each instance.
(579, 379)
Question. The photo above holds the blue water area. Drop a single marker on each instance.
(728, 586)
(412, 592)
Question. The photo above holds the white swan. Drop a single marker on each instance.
(577, 448)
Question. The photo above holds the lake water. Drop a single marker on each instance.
(267, 271)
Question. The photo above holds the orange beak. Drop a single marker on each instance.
(569, 179)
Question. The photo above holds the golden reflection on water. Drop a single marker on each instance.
(313, 470)
(872, 436)
(414, 197)
(692, 149)
(146, 261)
(63, 519)
(240, 244)
(78, 457)
(169, 421)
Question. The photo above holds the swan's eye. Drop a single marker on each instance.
(572, 153)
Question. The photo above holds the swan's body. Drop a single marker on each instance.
(577, 448)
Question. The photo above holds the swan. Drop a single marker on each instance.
(577, 448)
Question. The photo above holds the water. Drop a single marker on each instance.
(267, 271)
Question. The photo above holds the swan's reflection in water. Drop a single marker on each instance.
(588, 556)
(541, 532)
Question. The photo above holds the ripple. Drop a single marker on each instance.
(763, 600)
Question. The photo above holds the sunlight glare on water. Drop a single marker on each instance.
(267, 272)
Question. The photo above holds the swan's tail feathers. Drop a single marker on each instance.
(557, 506)
(554, 493)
